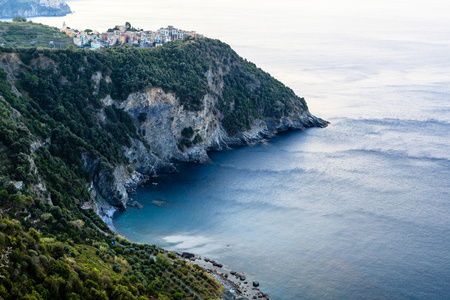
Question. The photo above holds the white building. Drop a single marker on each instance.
(80, 40)
(95, 45)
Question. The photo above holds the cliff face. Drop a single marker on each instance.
(166, 118)
(13, 8)
(163, 129)
(124, 114)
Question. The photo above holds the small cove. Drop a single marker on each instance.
(306, 224)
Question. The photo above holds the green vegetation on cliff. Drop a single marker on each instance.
(70, 259)
(54, 116)
(248, 93)
(60, 100)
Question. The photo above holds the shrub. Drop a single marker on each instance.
(187, 132)
(116, 268)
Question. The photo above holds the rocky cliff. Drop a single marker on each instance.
(14, 8)
(122, 114)
(167, 119)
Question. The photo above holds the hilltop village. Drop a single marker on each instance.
(127, 35)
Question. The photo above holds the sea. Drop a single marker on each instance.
(357, 210)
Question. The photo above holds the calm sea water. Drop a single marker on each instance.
(358, 210)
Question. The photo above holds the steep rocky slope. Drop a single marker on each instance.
(119, 114)
(167, 118)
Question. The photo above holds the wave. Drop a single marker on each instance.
(416, 225)
(269, 170)
(396, 121)
(415, 139)
(285, 169)
(396, 154)
(187, 242)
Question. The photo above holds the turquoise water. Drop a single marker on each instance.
(358, 210)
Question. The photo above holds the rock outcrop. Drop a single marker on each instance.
(166, 118)
(161, 121)
(237, 105)
(14, 8)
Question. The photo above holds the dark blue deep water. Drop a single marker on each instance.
(347, 212)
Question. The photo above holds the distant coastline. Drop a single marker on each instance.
(43, 8)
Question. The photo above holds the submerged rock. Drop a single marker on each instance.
(136, 204)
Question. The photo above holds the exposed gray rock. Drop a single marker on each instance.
(187, 255)
(136, 204)
(144, 161)
(38, 187)
(166, 118)
(160, 119)
(14, 8)
(108, 183)
(11, 63)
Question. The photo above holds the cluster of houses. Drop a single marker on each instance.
(126, 35)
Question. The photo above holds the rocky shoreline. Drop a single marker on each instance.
(162, 130)
(166, 131)
(237, 286)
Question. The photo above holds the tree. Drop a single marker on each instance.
(19, 19)
(128, 25)
(162, 260)
(142, 117)
(122, 292)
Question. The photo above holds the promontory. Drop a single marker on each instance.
(33, 8)
(79, 129)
